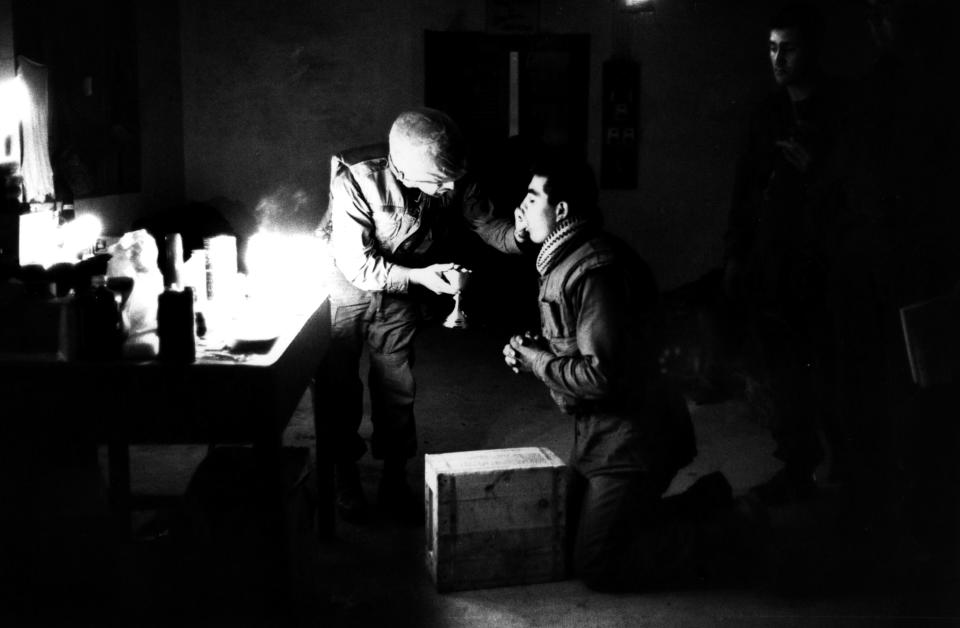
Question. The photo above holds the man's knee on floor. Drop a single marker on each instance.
(626, 566)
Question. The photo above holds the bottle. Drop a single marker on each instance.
(176, 325)
(175, 318)
(67, 213)
(173, 251)
(99, 328)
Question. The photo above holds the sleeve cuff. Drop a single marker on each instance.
(513, 245)
(398, 280)
(540, 363)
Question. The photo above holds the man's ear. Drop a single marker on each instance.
(562, 210)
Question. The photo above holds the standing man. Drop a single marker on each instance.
(596, 354)
(393, 210)
(779, 247)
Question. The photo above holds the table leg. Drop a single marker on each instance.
(270, 460)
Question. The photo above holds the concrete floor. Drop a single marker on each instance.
(468, 400)
(374, 575)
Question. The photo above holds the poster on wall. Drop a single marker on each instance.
(620, 124)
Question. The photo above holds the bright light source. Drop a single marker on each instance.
(14, 101)
(283, 269)
(80, 234)
(45, 243)
(39, 239)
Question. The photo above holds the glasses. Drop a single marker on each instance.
(439, 182)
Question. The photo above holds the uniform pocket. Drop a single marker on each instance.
(387, 220)
(550, 317)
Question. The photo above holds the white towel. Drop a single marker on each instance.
(37, 171)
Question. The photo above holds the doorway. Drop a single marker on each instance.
(510, 94)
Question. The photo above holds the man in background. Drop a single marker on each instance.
(779, 248)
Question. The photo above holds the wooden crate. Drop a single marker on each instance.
(495, 517)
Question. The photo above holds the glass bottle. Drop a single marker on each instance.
(176, 326)
(100, 328)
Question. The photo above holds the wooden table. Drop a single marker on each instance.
(213, 400)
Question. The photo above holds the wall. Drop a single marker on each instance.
(243, 107)
(269, 92)
(7, 69)
(264, 94)
(161, 123)
(161, 106)
(703, 64)
(160, 115)
(9, 124)
(6, 39)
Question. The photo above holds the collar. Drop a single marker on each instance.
(565, 232)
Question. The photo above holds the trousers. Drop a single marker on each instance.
(796, 354)
(385, 325)
(624, 535)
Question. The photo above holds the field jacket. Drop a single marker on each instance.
(598, 313)
(379, 229)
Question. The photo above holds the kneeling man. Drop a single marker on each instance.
(596, 353)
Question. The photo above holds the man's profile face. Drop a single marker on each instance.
(538, 214)
(788, 56)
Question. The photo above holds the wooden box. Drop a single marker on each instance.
(495, 517)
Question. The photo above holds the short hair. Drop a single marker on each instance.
(428, 135)
(802, 17)
(570, 179)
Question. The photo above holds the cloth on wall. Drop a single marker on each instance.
(13, 96)
(36, 169)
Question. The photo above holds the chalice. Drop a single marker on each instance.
(458, 276)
